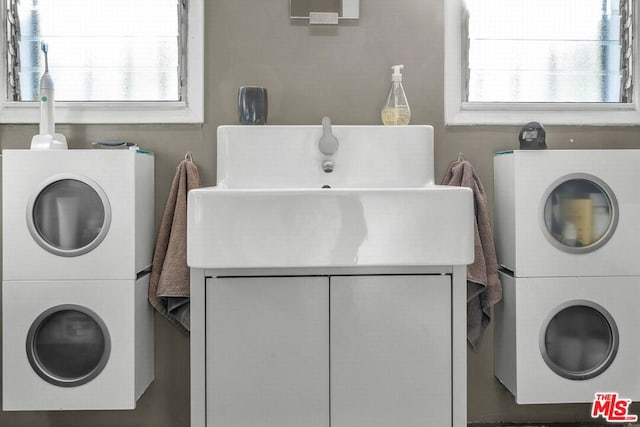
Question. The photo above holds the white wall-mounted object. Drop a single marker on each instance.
(542, 356)
(104, 329)
(272, 207)
(324, 11)
(77, 328)
(565, 229)
(539, 191)
(319, 295)
(111, 192)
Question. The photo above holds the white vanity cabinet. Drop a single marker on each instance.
(390, 351)
(267, 352)
(328, 299)
(339, 351)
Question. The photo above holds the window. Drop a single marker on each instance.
(553, 61)
(89, 62)
(571, 52)
(113, 61)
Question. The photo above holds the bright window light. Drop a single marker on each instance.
(546, 51)
(116, 50)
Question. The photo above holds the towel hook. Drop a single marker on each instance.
(189, 156)
(460, 157)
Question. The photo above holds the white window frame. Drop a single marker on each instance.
(458, 112)
(188, 110)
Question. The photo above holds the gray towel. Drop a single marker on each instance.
(483, 283)
(169, 287)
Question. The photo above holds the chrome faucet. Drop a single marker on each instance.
(328, 144)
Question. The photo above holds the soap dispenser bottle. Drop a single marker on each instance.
(396, 110)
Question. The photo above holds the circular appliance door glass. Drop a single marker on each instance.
(68, 345)
(580, 214)
(69, 217)
(579, 341)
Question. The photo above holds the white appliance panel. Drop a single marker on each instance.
(123, 310)
(114, 243)
(522, 336)
(526, 203)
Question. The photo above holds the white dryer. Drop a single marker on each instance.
(82, 344)
(567, 212)
(564, 339)
(77, 214)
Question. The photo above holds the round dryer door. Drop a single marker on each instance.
(69, 215)
(580, 213)
(68, 345)
(579, 340)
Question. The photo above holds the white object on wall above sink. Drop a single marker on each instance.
(269, 209)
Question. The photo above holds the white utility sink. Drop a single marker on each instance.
(379, 206)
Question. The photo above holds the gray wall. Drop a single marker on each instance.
(339, 71)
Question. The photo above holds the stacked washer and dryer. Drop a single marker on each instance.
(567, 237)
(77, 246)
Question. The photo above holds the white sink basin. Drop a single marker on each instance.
(269, 209)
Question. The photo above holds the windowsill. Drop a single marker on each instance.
(104, 112)
(596, 114)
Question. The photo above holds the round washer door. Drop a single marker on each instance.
(579, 213)
(68, 345)
(579, 340)
(68, 215)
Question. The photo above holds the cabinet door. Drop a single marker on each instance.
(390, 351)
(267, 360)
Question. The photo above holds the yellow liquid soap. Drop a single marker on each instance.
(396, 116)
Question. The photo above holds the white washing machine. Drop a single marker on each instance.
(77, 214)
(566, 232)
(564, 339)
(567, 212)
(81, 344)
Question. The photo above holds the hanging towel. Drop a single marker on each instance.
(169, 288)
(483, 283)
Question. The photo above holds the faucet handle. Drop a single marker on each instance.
(328, 143)
(326, 123)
